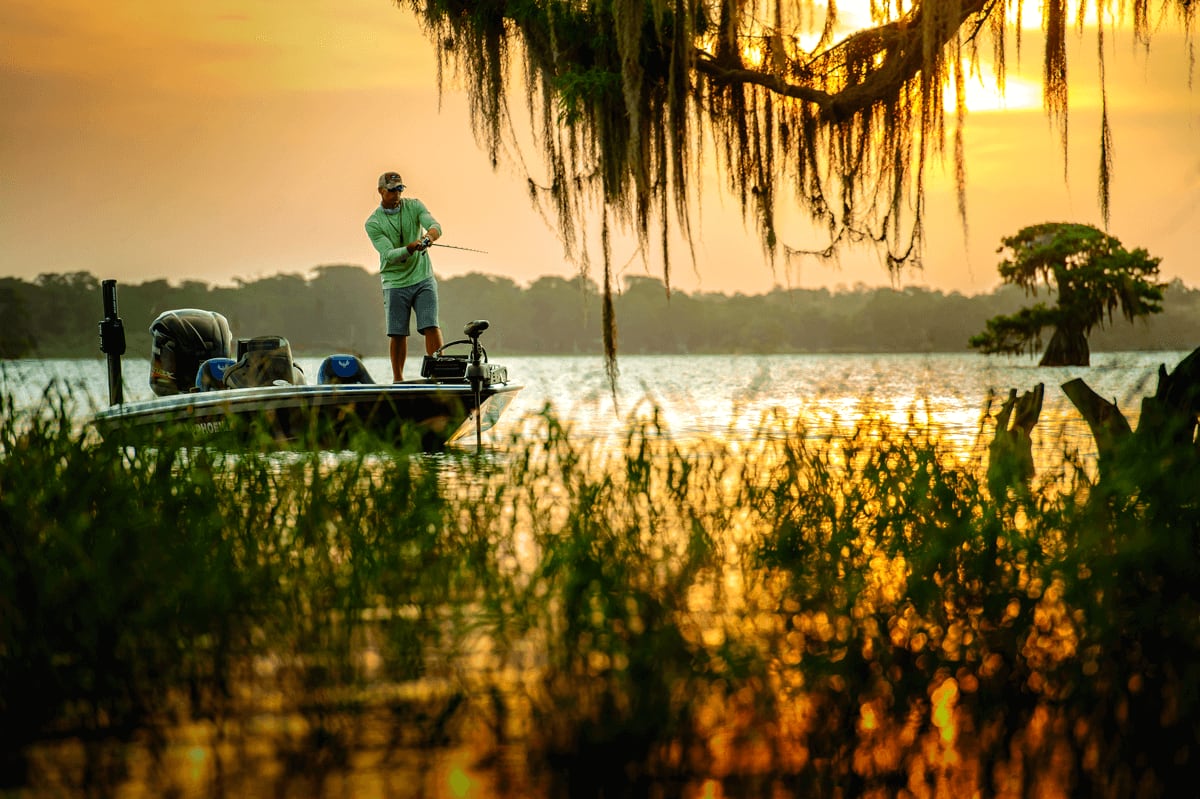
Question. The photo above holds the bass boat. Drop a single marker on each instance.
(214, 389)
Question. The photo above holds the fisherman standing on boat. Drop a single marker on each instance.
(402, 230)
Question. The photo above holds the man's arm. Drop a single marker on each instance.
(388, 253)
(433, 228)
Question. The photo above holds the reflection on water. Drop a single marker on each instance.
(754, 577)
(730, 397)
(272, 755)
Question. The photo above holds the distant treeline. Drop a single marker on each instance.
(338, 308)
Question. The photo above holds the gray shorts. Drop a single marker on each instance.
(399, 305)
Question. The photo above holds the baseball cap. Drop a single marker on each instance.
(391, 180)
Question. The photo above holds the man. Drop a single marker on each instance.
(402, 230)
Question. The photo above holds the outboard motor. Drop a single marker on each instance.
(342, 369)
(263, 361)
(182, 340)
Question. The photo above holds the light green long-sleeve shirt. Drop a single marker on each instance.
(391, 233)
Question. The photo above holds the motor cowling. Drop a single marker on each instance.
(181, 340)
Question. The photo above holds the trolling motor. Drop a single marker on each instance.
(112, 341)
(473, 369)
(441, 367)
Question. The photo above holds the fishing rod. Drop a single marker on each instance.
(426, 241)
(451, 246)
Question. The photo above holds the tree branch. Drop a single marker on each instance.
(902, 43)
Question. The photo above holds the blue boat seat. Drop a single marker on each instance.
(342, 369)
(211, 375)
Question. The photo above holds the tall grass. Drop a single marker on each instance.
(847, 615)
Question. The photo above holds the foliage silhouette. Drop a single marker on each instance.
(1092, 276)
(626, 99)
(338, 309)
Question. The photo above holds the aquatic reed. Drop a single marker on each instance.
(854, 613)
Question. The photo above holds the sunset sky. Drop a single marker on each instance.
(235, 139)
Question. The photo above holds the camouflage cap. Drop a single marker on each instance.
(391, 181)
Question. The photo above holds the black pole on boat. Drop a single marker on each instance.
(112, 341)
(473, 331)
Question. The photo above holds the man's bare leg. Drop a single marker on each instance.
(433, 339)
(397, 350)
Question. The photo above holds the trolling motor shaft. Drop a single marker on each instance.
(475, 375)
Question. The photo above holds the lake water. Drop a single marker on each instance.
(730, 397)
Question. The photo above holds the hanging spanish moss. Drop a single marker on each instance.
(627, 98)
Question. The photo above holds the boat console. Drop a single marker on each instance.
(264, 361)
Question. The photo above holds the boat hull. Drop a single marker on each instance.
(323, 416)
